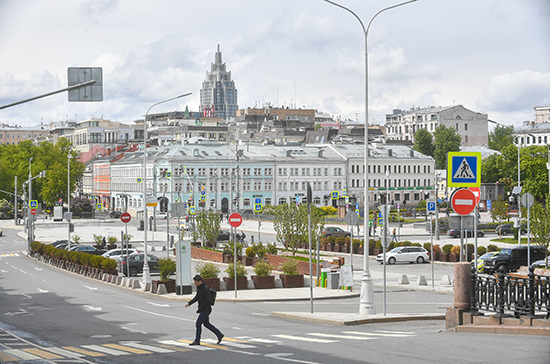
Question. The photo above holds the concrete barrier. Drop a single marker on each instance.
(403, 280)
(421, 281)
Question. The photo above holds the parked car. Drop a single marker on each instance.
(541, 263)
(507, 229)
(511, 259)
(161, 215)
(334, 231)
(224, 235)
(115, 214)
(117, 253)
(58, 243)
(455, 233)
(409, 254)
(481, 260)
(87, 249)
(132, 264)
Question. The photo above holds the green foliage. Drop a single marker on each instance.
(229, 248)
(540, 223)
(291, 224)
(259, 250)
(167, 268)
(272, 249)
(481, 250)
(98, 240)
(76, 239)
(492, 248)
(423, 142)
(501, 136)
(208, 270)
(499, 210)
(112, 240)
(446, 139)
(263, 268)
(241, 270)
(447, 248)
(84, 258)
(109, 264)
(289, 267)
(427, 246)
(208, 226)
(328, 210)
(96, 260)
(250, 252)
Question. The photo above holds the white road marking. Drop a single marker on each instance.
(92, 288)
(230, 343)
(159, 314)
(20, 312)
(90, 308)
(63, 352)
(263, 341)
(186, 345)
(42, 290)
(158, 304)
(105, 350)
(283, 356)
(341, 336)
(22, 354)
(377, 334)
(154, 349)
(309, 339)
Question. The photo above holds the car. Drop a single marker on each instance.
(118, 252)
(511, 259)
(87, 249)
(481, 260)
(541, 263)
(115, 214)
(507, 229)
(60, 244)
(161, 215)
(334, 231)
(224, 235)
(408, 254)
(455, 233)
(131, 265)
(247, 212)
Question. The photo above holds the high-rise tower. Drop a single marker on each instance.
(218, 92)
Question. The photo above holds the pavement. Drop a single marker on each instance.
(48, 231)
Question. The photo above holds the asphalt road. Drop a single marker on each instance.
(52, 316)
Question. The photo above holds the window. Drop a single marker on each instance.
(465, 126)
(282, 201)
(268, 171)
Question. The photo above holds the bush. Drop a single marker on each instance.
(259, 250)
(470, 249)
(229, 248)
(455, 250)
(250, 252)
(271, 249)
(357, 243)
(263, 268)
(96, 260)
(241, 270)
(208, 270)
(109, 264)
(481, 250)
(167, 267)
(340, 240)
(437, 249)
(492, 248)
(289, 267)
(331, 240)
(427, 246)
(447, 248)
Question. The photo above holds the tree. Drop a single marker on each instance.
(445, 140)
(423, 142)
(501, 136)
(291, 225)
(208, 226)
(540, 224)
(499, 211)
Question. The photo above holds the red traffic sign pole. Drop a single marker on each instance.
(33, 211)
(463, 201)
(125, 217)
(235, 219)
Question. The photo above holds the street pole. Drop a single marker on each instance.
(69, 198)
(15, 214)
(146, 275)
(366, 305)
(30, 236)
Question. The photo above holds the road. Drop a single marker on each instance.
(52, 316)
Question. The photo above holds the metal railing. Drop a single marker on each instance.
(508, 294)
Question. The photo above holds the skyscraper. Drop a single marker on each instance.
(218, 92)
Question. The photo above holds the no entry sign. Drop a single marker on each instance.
(235, 219)
(125, 217)
(463, 201)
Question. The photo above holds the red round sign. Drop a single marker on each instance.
(235, 219)
(33, 211)
(463, 201)
(477, 193)
(125, 217)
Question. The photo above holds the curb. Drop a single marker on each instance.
(354, 319)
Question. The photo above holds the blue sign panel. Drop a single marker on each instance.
(464, 169)
(431, 206)
(488, 205)
(258, 200)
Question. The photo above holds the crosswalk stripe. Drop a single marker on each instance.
(42, 353)
(82, 351)
(185, 343)
(341, 336)
(229, 343)
(310, 339)
(377, 334)
(127, 348)
(397, 332)
(5, 357)
(235, 340)
(263, 341)
(22, 354)
(65, 353)
(105, 350)
(154, 349)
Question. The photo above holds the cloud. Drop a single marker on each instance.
(516, 91)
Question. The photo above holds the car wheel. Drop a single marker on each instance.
(420, 260)
(347, 236)
(328, 236)
(133, 271)
(503, 268)
(391, 260)
(504, 233)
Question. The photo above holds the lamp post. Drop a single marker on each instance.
(69, 198)
(366, 305)
(146, 276)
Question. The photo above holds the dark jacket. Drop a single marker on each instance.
(203, 297)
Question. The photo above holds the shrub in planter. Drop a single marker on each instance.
(290, 276)
(481, 250)
(263, 268)
(271, 249)
(109, 264)
(437, 249)
(331, 240)
(447, 248)
(492, 248)
(209, 273)
(112, 242)
(84, 258)
(167, 268)
(96, 260)
(289, 267)
(229, 248)
(263, 278)
(250, 253)
(259, 250)
(455, 250)
(241, 276)
(241, 270)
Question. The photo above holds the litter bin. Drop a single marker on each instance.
(324, 272)
(333, 279)
(141, 225)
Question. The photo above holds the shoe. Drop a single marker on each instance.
(220, 338)
(195, 343)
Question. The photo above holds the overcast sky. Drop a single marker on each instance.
(491, 56)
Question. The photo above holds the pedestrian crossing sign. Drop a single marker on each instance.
(463, 169)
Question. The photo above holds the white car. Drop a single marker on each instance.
(161, 215)
(117, 253)
(408, 254)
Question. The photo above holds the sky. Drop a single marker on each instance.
(492, 56)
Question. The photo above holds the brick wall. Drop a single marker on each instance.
(303, 267)
(204, 254)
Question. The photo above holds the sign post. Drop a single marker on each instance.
(235, 220)
(125, 218)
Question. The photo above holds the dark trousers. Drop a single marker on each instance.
(204, 319)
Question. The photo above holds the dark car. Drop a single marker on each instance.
(507, 229)
(334, 231)
(224, 235)
(115, 214)
(60, 244)
(132, 264)
(87, 249)
(511, 259)
(455, 233)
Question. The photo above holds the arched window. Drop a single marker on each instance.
(458, 117)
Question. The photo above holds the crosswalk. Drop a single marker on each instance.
(9, 255)
(12, 351)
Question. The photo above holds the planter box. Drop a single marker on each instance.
(250, 261)
(453, 258)
(169, 284)
(263, 282)
(443, 257)
(292, 281)
(213, 283)
(242, 283)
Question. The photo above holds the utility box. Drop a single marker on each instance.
(332, 280)
(58, 213)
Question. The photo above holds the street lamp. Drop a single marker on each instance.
(146, 276)
(367, 294)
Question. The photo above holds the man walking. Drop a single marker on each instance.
(204, 310)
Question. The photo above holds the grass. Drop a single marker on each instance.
(510, 240)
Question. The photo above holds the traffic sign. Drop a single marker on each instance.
(489, 205)
(464, 169)
(33, 211)
(125, 217)
(192, 210)
(33, 204)
(463, 201)
(258, 200)
(477, 193)
(168, 174)
(258, 207)
(235, 219)
(527, 200)
(344, 193)
(203, 198)
(431, 206)
(351, 218)
(99, 206)
(335, 195)
(138, 180)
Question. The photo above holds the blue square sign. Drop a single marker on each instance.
(464, 169)
(431, 206)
